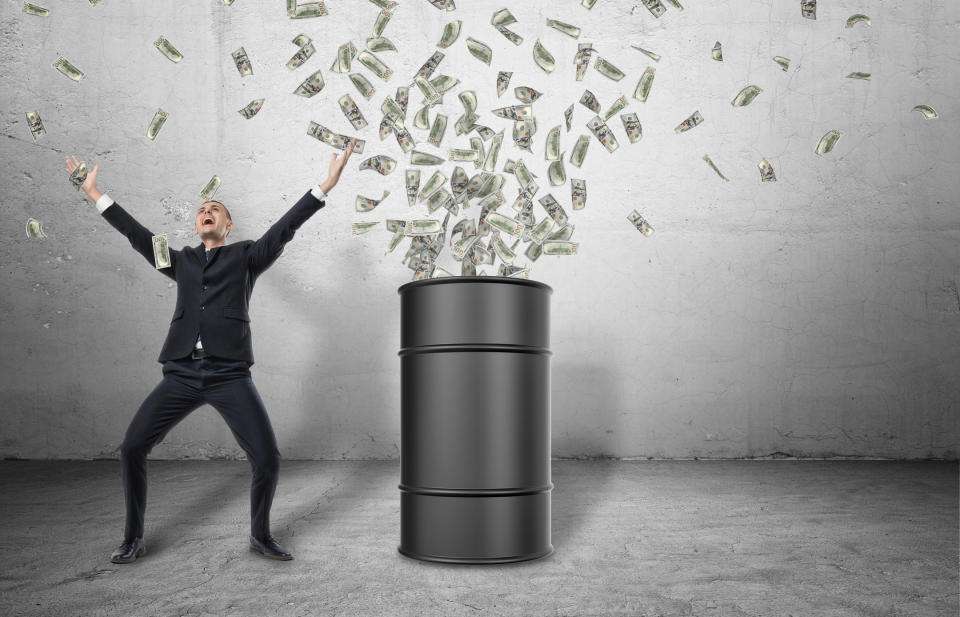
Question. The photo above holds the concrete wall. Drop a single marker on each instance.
(815, 316)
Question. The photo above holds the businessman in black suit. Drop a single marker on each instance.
(208, 353)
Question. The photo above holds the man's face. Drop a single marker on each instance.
(212, 221)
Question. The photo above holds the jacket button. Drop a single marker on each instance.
(201, 307)
(204, 286)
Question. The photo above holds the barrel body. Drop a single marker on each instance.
(475, 420)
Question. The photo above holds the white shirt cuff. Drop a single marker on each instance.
(104, 202)
(318, 192)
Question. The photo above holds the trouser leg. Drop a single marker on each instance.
(171, 400)
(239, 402)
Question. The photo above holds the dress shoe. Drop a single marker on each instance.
(129, 550)
(269, 548)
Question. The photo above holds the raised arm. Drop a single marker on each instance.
(269, 247)
(141, 238)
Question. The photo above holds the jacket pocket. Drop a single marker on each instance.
(177, 314)
(235, 313)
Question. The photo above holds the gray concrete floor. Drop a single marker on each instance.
(705, 538)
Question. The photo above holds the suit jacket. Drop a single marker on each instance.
(213, 297)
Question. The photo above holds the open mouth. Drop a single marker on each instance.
(208, 221)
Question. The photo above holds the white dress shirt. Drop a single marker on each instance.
(105, 202)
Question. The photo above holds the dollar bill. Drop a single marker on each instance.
(380, 163)
(544, 227)
(413, 185)
(589, 101)
(161, 252)
(35, 124)
(33, 9)
(423, 227)
(501, 249)
(555, 247)
(746, 96)
(566, 28)
(438, 129)
(445, 5)
(383, 18)
(603, 133)
(242, 62)
(375, 64)
(432, 184)
(578, 193)
(616, 106)
(168, 50)
(311, 85)
(463, 155)
(479, 50)
(676, 4)
(552, 147)
(694, 119)
(643, 86)
(607, 69)
(291, 7)
(352, 112)
(543, 58)
(366, 204)
(514, 112)
(582, 59)
(490, 162)
(524, 175)
(35, 229)
(766, 171)
(439, 272)
(631, 124)
(158, 119)
(554, 209)
(556, 173)
(402, 97)
(783, 62)
(523, 134)
(510, 35)
(640, 223)
(808, 9)
(857, 18)
(380, 43)
(588, 4)
(309, 9)
(486, 133)
(302, 55)
(655, 7)
(395, 240)
(424, 158)
(458, 181)
(430, 65)
(928, 112)
(859, 75)
(526, 94)
(334, 140)
(463, 245)
(344, 59)
(648, 53)
(66, 68)
(477, 144)
(363, 227)
(828, 141)
(465, 123)
(503, 80)
(386, 5)
(502, 17)
(443, 83)
(468, 99)
(568, 116)
(579, 150)
(430, 94)
(503, 223)
(251, 109)
(78, 175)
(211, 188)
(450, 33)
(713, 166)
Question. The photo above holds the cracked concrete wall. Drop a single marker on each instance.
(814, 316)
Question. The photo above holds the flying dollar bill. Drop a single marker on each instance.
(161, 252)
(365, 204)
(643, 86)
(928, 112)
(589, 101)
(766, 171)
(640, 223)
(631, 124)
(242, 62)
(156, 123)
(166, 48)
(211, 188)
(252, 108)
(33, 9)
(503, 80)
(694, 119)
(717, 52)
(78, 175)
(555, 247)
(808, 9)
(578, 193)
(784, 63)
(607, 69)
(828, 141)
(616, 106)
(380, 163)
(35, 124)
(655, 7)
(857, 18)
(363, 227)
(480, 51)
(571, 31)
(713, 166)
(603, 133)
(352, 112)
(66, 68)
(580, 150)
(303, 54)
(746, 96)
(450, 33)
(35, 229)
(309, 9)
(543, 58)
(311, 85)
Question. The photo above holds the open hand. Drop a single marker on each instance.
(336, 166)
(89, 185)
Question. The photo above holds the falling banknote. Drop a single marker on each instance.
(251, 108)
(161, 252)
(640, 223)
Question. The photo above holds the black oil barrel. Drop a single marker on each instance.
(475, 419)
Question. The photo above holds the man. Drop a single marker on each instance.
(208, 353)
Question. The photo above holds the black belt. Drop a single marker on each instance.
(198, 354)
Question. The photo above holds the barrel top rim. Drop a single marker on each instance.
(473, 279)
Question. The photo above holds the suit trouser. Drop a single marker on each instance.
(187, 384)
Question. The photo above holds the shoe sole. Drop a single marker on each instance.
(278, 557)
(139, 553)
